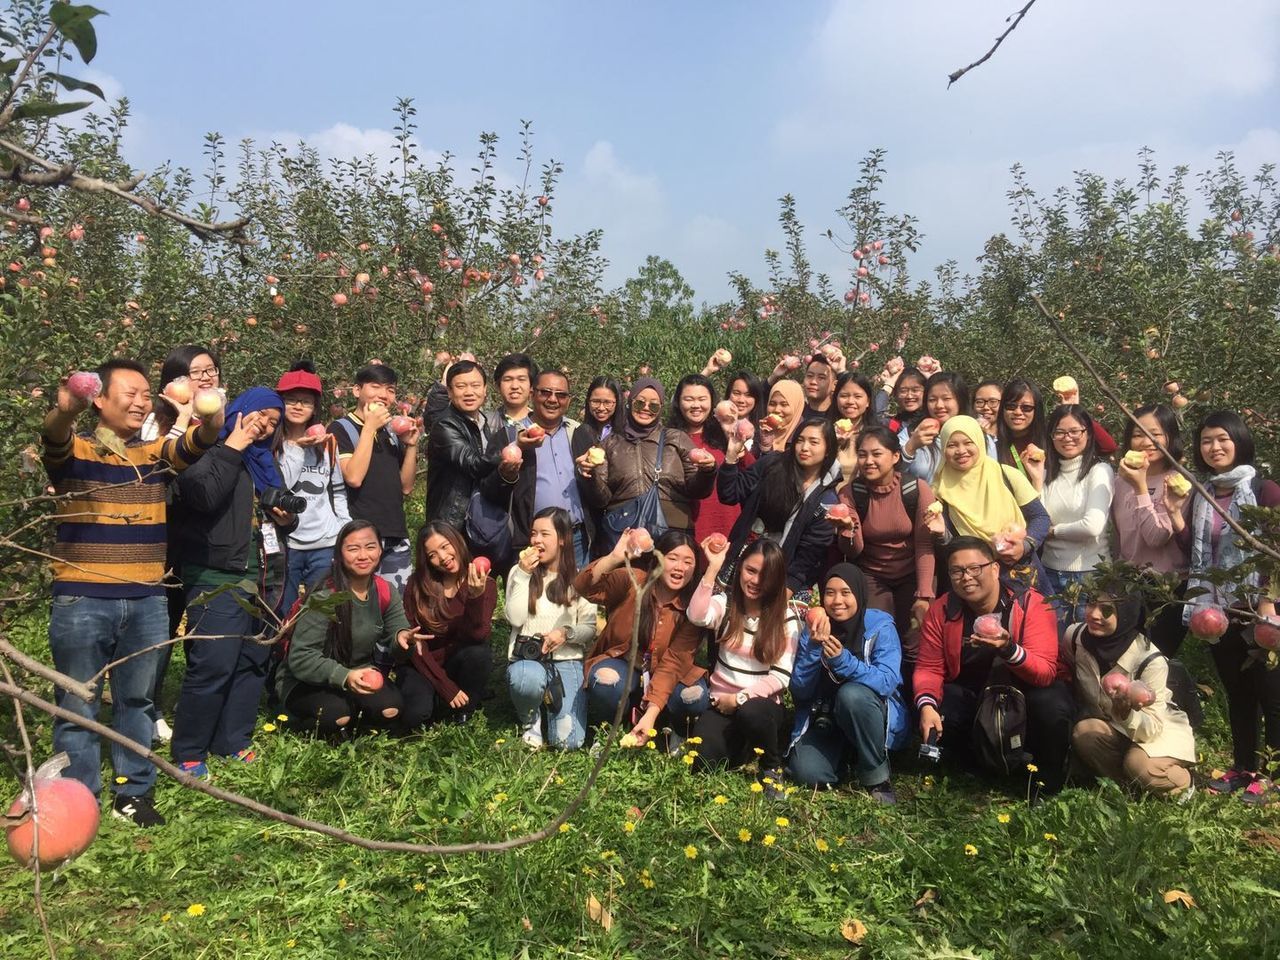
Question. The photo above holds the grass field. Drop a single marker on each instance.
(683, 865)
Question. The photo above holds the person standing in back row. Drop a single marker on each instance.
(378, 467)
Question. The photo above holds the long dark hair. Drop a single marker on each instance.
(712, 431)
(1052, 459)
(1168, 421)
(337, 641)
(771, 630)
(560, 590)
(863, 382)
(758, 387)
(619, 419)
(424, 591)
(1013, 392)
(665, 544)
(911, 420)
(781, 480)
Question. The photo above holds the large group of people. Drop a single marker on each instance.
(820, 568)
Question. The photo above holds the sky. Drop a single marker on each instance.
(681, 124)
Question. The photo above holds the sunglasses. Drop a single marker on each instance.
(1020, 407)
(546, 394)
(653, 406)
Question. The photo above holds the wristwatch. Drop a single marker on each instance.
(742, 697)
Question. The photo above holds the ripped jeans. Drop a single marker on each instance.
(527, 680)
(603, 694)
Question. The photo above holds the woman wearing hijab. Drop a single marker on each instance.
(1224, 453)
(846, 687)
(631, 468)
(785, 413)
(1149, 747)
(225, 537)
(985, 499)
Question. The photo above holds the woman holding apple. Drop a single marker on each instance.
(908, 394)
(331, 680)
(1127, 726)
(851, 413)
(750, 395)
(847, 688)
(946, 396)
(603, 413)
(1021, 437)
(695, 411)
(756, 632)
(552, 626)
(1224, 453)
(449, 602)
(1149, 509)
(665, 678)
(785, 411)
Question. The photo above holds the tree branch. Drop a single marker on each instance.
(1017, 19)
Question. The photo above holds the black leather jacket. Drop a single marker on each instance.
(456, 463)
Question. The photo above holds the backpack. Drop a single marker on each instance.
(1182, 688)
(1000, 726)
(281, 648)
(861, 494)
(353, 434)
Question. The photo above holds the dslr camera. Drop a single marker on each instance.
(528, 648)
(278, 499)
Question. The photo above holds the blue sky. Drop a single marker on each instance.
(680, 124)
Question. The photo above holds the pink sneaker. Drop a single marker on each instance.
(1260, 793)
(1231, 781)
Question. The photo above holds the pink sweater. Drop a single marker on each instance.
(736, 667)
(1144, 534)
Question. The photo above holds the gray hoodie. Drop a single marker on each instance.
(308, 472)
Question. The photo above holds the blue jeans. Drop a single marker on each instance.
(580, 554)
(305, 568)
(85, 634)
(684, 703)
(1057, 581)
(852, 735)
(527, 680)
(218, 705)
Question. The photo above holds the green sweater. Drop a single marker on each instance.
(307, 663)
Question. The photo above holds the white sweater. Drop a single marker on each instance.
(1078, 509)
(577, 619)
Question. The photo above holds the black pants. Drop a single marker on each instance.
(732, 741)
(468, 667)
(1166, 630)
(318, 709)
(1050, 717)
(1252, 692)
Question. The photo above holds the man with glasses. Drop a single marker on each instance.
(547, 476)
(955, 664)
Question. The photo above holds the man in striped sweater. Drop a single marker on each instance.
(108, 575)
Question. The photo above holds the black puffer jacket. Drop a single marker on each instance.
(456, 463)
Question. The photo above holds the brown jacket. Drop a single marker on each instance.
(671, 648)
(628, 468)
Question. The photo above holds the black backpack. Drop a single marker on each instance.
(1182, 688)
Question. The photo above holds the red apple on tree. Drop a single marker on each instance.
(1209, 623)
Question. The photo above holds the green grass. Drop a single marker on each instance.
(1095, 888)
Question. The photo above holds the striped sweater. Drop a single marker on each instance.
(111, 532)
(736, 667)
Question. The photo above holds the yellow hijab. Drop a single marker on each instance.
(980, 501)
(794, 395)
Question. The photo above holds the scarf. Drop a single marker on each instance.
(793, 393)
(1107, 650)
(257, 457)
(979, 502)
(850, 632)
(633, 431)
(1229, 553)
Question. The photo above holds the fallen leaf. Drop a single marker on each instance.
(597, 912)
(1262, 838)
(526, 923)
(855, 931)
(927, 899)
(1180, 896)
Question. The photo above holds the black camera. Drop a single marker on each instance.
(929, 750)
(528, 648)
(274, 498)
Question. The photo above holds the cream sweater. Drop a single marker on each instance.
(577, 619)
(1078, 510)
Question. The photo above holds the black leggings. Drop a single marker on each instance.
(1252, 691)
(318, 709)
(732, 740)
(468, 667)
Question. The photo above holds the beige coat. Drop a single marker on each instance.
(1162, 730)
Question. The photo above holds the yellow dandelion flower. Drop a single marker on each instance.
(757, 786)
(789, 791)
(694, 740)
(646, 881)
(499, 797)
(565, 828)
(720, 799)
(744, 835)
(782, 821)
(629, 827)
(608, 854)
(766, 779)
(166, 917)
(691, 852)
(291, 943)
(195, 910)
(500, 741)
(833, 867)
(1002, 817)
(970, 850)
(687, 759)
(559, 781)
(650, 745)
(419, 887)
(283, 718)
(342, 883)
(652, 733)
(1032, 768)
(691, 753)
(758, 751)
(122, 780)
(769, 840)
(268, 728)
(822, 845)
(1051, 837)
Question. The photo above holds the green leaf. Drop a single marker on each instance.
(7, 67)
(73, 23)
(29, 110)
(71, 83)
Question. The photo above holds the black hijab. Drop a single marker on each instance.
(1107, 650)
(633, 431)
(849, 632)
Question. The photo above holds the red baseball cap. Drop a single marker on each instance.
(300, 380)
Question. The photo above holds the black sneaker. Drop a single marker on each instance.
(883, 794)
(140, 811)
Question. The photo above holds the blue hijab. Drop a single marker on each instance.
(258, 458)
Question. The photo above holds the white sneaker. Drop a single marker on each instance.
(163, 732)
(532, 735)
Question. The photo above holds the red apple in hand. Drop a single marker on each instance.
(1115, 685)
(929, 425)
(988, 627)
(640, 541)
(772, 422)
(84, 384)
(1209, 623)
(482, 565)
(512, 454)
(535, 432)
(726, 412)
(178, 390)
(208, 402)
(316, 430)
(371, 678)
(1140, 695)
(717, 543)
(699, 456)
(839, 511)
(812, 615)
(400, 425)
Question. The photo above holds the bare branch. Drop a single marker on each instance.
(1017, 19)
(57, 678)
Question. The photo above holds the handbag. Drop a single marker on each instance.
(1000, 727)
(642, 512)
(489, 527)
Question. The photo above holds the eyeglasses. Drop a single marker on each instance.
(602, 403)
(1068, 434)
(1020, 407)
(204, 373)
(990, 402)
(546, 394)
(972, 571)
(911, 392)
(299, 402)
(653, 406)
